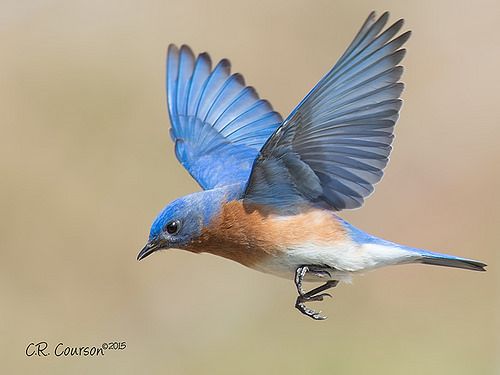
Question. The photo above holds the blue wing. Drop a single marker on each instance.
(335, 144)
(218, 124)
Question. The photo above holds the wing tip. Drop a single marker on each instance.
(172, 53)
(371, 16)
(405, 36)
(186, 50)
(239, 78)
(384, 16)
(224, 64)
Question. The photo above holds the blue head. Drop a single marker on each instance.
(182, 221)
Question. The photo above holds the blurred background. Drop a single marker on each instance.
(86, 164)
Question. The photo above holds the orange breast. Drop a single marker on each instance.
(250, 234)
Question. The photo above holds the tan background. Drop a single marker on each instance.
(86, 164)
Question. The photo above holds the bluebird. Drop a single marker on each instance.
(272, 188)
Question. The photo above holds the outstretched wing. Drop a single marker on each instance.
(218, 124)
(334, 145)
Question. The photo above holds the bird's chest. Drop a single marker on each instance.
(256, 238)
(240, 237)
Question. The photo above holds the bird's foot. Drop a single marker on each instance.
(301, 272)
(301, 306)
(314, 294)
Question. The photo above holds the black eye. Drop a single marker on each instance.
(173, 227)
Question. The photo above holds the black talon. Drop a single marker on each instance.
(314, 294)
(319, 297)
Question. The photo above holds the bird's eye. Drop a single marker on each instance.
(173, 227)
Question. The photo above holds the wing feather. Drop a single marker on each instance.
(218, 124)
(338, 139)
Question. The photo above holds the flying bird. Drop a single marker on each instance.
(272, 187)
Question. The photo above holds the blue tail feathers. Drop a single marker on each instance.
(445, 260)
(421, 256)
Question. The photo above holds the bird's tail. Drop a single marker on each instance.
(437, 259)
(411, 254)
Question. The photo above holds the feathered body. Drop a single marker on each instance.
(272, 187)
(265, 240)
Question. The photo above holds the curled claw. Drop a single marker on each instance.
(300, 305)
(322, 274)
(313, 295)
(319, 297)
(319, 317)
(316, 315)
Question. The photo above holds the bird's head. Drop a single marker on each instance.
(179, 223)
(175, 226)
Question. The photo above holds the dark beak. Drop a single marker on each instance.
(149, 249)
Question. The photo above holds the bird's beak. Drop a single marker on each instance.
(149, 249)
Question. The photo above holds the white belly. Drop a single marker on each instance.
(343, 259)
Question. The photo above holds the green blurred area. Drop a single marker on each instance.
(86, 163)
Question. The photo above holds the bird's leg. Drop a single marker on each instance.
(300, 273)
(314, 294)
